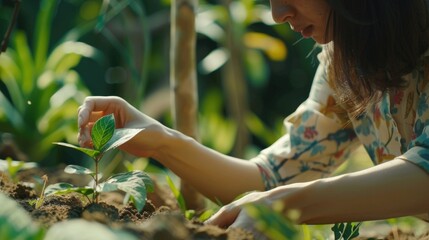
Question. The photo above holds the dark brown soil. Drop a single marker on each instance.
(160, 218)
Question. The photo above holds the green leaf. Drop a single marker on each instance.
(15, 222)
(64, 188)
(8, 164)
(68, 54)
(42, 31)
(346, 231)
(207, 214)
(25, 58)
(177, 194)
(272, 223)
(257, 68)
(90, 152)
(120, 137)
(135, 183)
(76, 169)
(103, 131)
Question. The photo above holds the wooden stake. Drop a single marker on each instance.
(183, 80)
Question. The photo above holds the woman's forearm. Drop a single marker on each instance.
(217, 176)
(393, 189)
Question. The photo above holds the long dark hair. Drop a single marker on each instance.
(375, 42)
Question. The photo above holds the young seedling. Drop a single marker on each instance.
(105, 137)
(40, 200)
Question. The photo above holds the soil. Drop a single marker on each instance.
(160, 218)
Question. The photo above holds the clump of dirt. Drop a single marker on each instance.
(130, 214)
(58, 208)
(16, 190)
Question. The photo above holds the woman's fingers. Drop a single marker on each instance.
(84, 136)
(92, 109)
(224, 217)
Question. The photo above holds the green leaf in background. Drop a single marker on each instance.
(16, 223)
(135, 183)
(90, 152)
(120, 137)
(273, 224)
(102, 131)
(43, 32)
(14, 166)
(64, 188)
(257, 68)
(346, 231)
(76, 169)
(177, 194)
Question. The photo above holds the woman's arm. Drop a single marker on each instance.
(217, 176)
(393, 189)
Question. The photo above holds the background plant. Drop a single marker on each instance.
(40, 88)
(105, 137)
(11, 167)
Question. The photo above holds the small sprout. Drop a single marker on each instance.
(40, 200)
(105, 137)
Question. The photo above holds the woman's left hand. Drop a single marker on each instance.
(234, 216)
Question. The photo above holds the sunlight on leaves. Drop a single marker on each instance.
(275, 49)
(76, 169)
(135, 183)
(120, 137)
(64, 188)
(90, 152)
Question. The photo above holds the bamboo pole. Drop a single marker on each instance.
(183, 81)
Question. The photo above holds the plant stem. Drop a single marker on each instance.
(39, 201)
(96, 179)
(11, 25)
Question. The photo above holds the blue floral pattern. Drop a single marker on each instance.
(319, 137)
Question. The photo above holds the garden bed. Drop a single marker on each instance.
(72, 216)
(160, 218)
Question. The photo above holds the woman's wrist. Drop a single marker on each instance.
(170, 143)
(293, 199)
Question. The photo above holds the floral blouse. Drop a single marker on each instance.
(319, 137)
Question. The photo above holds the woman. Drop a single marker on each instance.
(370, 89)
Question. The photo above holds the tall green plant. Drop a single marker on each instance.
(42, 90)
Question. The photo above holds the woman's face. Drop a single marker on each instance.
(308, 17)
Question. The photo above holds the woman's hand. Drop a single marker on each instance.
(234, 215)
(145, 143)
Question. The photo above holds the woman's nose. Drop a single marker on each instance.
(281, 11)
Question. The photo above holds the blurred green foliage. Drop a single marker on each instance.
(133, 37)
(40, 89)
